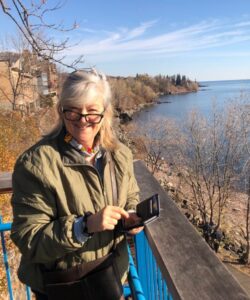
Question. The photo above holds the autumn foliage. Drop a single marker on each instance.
(17, 133)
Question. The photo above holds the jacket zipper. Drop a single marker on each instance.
(98, 175)
(101, 183)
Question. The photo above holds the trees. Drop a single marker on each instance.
(27, 82)
(183, 80)
(129, 93)
(211, 157)
(151, 142)
(245, 117)
(18, 84)
(208, 157)
(16, 135)
(178, 80)
(121, 94)
(246, 233)
(30, 19)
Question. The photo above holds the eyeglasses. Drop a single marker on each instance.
(71, 115)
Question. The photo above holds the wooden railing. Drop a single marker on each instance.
(5, 183)
(172, 259)
(188, 265)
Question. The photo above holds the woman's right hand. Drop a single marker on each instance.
(106, 219)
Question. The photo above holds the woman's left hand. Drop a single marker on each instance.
(134, 219)
(134, 231)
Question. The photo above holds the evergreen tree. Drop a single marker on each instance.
(178, 80)
(183, 80)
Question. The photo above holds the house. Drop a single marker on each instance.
(25, 81)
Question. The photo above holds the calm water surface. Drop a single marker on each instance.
(220, 93)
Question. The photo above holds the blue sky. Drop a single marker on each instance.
(204, 40)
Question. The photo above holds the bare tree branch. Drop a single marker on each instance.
(31, 20)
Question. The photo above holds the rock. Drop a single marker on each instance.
(162, 183)
(170, 187)
(125, 117)
(184, 203)
(161, 102)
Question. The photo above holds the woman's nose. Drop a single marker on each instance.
(83, 120)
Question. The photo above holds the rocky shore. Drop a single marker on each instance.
(232, 244)
(126, 116)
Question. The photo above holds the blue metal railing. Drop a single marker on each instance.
(6, 227)
(135, 284)
(145, 279)
(153, 284)
(133, 289)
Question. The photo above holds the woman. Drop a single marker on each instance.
(63, 208)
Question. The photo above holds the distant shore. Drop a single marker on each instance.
(127, 115)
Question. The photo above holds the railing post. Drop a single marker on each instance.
(28, 293)
(134, 280)
(6, 264)
(141, 261)
(160, 283)
(153, 284)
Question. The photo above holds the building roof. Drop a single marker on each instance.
(9, 56)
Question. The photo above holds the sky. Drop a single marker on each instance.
(204, 40)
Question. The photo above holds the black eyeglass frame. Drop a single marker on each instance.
(80, 116)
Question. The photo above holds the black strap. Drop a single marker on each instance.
(114, 192)
(113, 180)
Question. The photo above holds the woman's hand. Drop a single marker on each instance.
(132, 220)
(106, 219)
(134, 231)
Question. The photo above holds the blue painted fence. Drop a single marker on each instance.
(153, 284)
(6, 227)
(145, 279)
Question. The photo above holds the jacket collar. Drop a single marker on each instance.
(70, 156)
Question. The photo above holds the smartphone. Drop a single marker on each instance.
(147, 211)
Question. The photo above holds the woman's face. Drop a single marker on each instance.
(81, 130)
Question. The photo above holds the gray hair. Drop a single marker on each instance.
(87, 85)
(82, 86)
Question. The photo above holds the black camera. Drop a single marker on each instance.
(147, 211)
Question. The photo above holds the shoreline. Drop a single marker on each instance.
(232, 245)
(127, 115)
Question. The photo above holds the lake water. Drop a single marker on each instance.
(178, 107)
(220, 93)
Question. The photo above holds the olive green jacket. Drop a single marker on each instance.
(52, 185)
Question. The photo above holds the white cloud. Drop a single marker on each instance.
(88, 30)
(243, 24)
(138, 31)
(126, 42)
